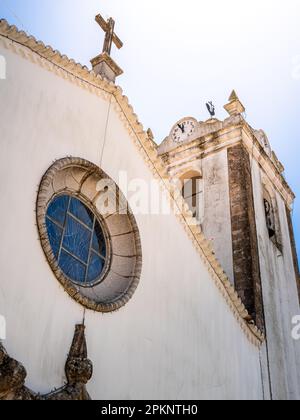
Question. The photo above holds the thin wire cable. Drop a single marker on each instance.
(262, 376)
(165, 184)
(58, 66)
(142, 146)
(105, 131)
(14, 14)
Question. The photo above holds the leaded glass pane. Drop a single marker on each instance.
(72, 267)
(95, 267)
(77, 239)
(98, 241)
(58, 208)
(82, 213)
(54, 235)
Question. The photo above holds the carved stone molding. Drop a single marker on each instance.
(78, 369)
(84, 180)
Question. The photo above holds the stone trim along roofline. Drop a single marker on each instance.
(234, 129)
(36, 52)
(257, 152)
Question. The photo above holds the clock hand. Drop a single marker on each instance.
(181, 126)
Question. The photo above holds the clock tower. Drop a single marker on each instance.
(233, 183)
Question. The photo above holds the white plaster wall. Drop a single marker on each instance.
(177, 338)
(217, 217)
(280, 299)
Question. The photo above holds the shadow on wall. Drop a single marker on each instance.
(2, 328)
(2, 68)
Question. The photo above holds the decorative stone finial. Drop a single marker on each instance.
(12, 379)
(79, 370)
(233, 96)
(150, 134)
(234, 107)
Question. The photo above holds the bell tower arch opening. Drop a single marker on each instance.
(193, 193)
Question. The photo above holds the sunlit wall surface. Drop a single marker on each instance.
(179, 54)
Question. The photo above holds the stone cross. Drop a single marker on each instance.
(110, 36)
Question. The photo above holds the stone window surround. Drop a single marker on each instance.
(189, 174)
(269, 195)
(80, 178)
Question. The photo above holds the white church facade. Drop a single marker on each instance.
(175, 264)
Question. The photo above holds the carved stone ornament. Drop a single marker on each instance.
(264, 141)
(85, 181)
(270, 219)
(79, 370)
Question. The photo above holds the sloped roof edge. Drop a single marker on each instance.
(86, 78)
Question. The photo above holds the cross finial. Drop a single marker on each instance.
(103, 64)
(110, 36)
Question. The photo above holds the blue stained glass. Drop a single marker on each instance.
(54, 235)
(95, 267)
(82, 213)
(98, 241)
(58, 208)
(77, 239)
(72, 267)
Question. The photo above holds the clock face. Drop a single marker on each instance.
(183, 130)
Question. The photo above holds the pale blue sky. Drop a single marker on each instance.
(179, 54)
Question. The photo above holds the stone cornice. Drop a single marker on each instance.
(226, 136)
(35, 51)
(267, 164)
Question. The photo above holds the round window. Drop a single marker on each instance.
(89, 235)
(77, 240)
